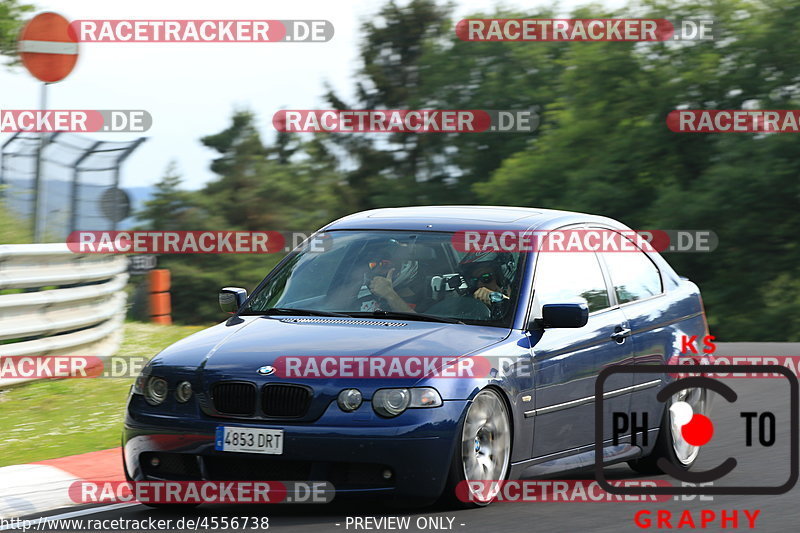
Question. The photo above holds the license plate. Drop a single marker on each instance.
(249, 440)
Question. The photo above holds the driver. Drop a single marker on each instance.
(385, 285)
(391, 282)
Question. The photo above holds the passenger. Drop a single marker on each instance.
(485, 278)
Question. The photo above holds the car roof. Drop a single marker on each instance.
(464, 217)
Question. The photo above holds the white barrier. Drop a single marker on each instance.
(76, 305)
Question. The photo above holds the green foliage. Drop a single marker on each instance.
(605, 149)
(602, 147)
(12, 13)
(13, 230)
(291, 186)
(172, 208)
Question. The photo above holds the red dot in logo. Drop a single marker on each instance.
(698, 430)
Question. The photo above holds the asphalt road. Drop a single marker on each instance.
(757, 466)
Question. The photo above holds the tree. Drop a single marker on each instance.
(173, 209)
(11, 22)
(241, 152)
(389, 170)
(292, 185)
(605, 149)
(412, 59)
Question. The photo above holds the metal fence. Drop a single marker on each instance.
(77, 175)
(56, 302)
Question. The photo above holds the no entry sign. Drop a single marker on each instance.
(48, 47)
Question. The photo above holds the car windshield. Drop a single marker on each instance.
(392, 274)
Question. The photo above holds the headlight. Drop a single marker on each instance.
(183, 392)
(349, 400)
(391, 402)
(155, 390)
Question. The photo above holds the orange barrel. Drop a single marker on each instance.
(160, 304)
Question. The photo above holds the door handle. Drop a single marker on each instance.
(621, 333)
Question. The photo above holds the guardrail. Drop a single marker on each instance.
(66, 303)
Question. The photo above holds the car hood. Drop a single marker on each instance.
(238, 348)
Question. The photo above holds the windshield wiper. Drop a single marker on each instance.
(380, 313)
(288, 311)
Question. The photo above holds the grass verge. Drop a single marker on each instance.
(53, 418)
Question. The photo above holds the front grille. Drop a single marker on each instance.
(234, 398)
(285, 401)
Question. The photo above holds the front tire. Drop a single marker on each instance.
(483, 451)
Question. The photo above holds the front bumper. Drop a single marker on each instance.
(352, 451)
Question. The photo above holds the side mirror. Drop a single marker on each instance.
(231, 299)
(573, 315)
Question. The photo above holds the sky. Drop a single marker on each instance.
(192, 89)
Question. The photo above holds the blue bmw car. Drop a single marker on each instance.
(275, 392)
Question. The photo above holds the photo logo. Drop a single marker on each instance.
(696, 429)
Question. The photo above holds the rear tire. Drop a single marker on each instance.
(670, 444)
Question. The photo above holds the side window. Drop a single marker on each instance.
(563, 277)
(633, 275)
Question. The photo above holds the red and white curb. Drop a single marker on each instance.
(44, 486)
